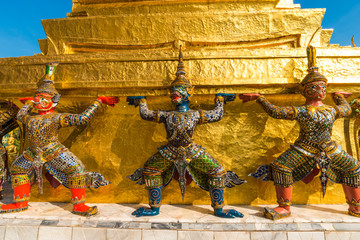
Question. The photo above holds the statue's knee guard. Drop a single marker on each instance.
(217, 178)
(77, 187)
(77, 181)
(19, 179)
(153, 178)
(282, 175)
(21, 186)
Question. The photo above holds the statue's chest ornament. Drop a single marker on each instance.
(321, 117)
(41, 128)
(179, 124)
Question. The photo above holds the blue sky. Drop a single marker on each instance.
(342, 16)
(20, 25)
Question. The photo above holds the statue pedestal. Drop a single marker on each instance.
(54, 221)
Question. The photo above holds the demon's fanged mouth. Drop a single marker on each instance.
(176, 96)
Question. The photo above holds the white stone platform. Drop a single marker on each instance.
(114, 221)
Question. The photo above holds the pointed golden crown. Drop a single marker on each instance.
(47, 85)
(180, 73)
(313, 71)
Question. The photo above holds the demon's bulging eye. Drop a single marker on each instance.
(180, 89)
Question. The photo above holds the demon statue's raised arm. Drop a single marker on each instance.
(46, 151)
(314, 146)
(181, 154)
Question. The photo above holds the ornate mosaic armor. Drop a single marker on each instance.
(181, 157)
(313, 146)
(313, 151)
(181, 152)
(46, 150)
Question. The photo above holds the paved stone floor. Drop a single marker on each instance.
(114, 221)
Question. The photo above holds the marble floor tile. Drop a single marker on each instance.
(21, 232)
(346, 226)
(284, 227)
(6, 221)
(253, 219)
(106, 224)
(56, 233)
(129, 208)
(319, 213)
(163, 217)
(46, 222)
(268, 236)
(89, 233)
(256, 214)
(196, 226)
(123, 234)
(48, 211)
(342, 235)
(231, 235)
(209, 217)
(290, 219)
(186, 213)
(327, 226)
(89, 223)
(70, 223)
(159, 235)
(195, 235)
(347, 218)
(305, 226)
(246, 209)
(26, 222)
(215, 219)
(167, 226)
(262, 226)
(111, 212)
(217, 227)
(306, 236)
(145, 225)
(2, 232)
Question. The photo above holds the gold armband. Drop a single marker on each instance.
(260, 99)
(202, 116)
(219, 98)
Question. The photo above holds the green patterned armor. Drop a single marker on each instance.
(313, 146)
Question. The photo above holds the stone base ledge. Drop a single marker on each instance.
(55, 221)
